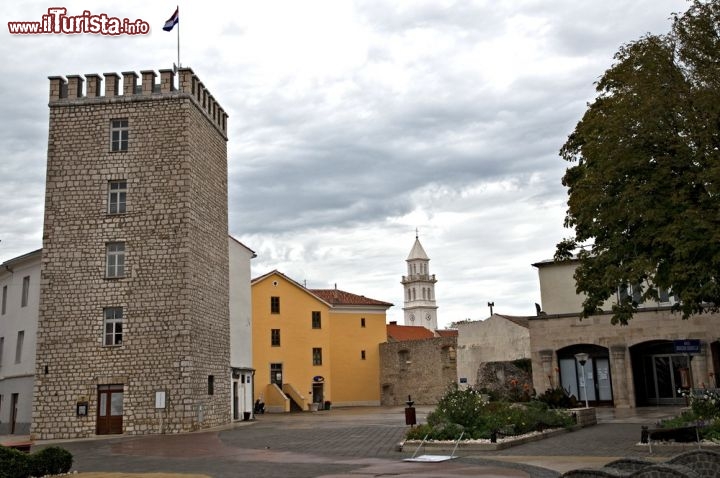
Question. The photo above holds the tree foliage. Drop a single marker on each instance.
(644, 185)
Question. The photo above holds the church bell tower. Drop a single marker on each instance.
(419, 289)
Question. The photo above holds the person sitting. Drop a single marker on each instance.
(259, 407)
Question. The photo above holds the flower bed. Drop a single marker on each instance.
(471, 414)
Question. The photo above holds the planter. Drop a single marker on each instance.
(585, 417)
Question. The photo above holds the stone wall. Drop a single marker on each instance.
(174, 292)
(496, 339)
(422, 369)
(505, 379)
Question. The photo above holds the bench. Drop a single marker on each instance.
(19, 445)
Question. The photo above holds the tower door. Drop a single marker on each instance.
(110, 409)
(14, 399)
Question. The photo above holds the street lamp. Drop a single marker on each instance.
(582, 359)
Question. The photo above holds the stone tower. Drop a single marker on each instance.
(133, 333)
(419, 289)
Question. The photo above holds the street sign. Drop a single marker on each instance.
(687, 346)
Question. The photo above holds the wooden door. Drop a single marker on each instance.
(110, 409)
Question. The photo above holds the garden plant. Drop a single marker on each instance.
(470, 412)
(703, 412)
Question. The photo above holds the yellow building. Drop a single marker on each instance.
(312, 346)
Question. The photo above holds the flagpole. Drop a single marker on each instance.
(178, 38)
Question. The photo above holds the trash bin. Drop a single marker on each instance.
(246, 416)
(410, 418)
(327, 405)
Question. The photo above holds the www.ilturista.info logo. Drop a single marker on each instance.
(59, 23)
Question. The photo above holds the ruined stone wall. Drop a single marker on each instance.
(173, 293)
(422, 369)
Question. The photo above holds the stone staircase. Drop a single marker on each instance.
(692, 464)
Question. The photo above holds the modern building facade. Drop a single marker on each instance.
(312, 346)
(419, 289)
(643, 363)
(20, 288)
(134, 330)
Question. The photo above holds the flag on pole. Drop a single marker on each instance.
(172, 21)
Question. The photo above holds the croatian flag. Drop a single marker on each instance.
(173, 20)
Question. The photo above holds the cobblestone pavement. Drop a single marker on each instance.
(355, 442)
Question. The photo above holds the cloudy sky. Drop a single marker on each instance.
(352, 123)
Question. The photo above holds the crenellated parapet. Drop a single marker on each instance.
(129, 85)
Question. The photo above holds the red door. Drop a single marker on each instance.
(110, 409)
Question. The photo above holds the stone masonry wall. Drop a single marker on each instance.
(210, 270)
(174, 291)
(422, 369)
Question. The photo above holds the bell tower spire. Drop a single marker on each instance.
(419, 289)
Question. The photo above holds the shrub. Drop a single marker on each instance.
(13, 463)
(712, 431)
(470, 412)
(50, 461)
(558, 397)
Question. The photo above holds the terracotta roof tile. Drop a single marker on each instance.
(340, 297)
(403, 333)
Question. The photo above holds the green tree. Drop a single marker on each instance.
(644, 186)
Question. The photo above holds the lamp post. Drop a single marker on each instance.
(582, 359)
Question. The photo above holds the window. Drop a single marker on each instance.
(117, 195)
(275, 337)
(115, 264)
(113, 326)
(19, 347)
(317, 356)
(119, 131)
(362, 355)
(2, 346)
(25, 291)
(634, 292)
(276, 372)
(274, 305)
(362, 322)
(4, 299)
(211, 384)
(316, 321)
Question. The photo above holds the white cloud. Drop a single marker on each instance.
(353, 123)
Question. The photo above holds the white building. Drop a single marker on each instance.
(241, 329)
(419, 289)
(20, 286)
